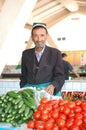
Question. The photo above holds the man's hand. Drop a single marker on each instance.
(50, 89)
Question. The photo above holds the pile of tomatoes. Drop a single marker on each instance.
(59, 115)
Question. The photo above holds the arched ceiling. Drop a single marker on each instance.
(53, 11)
(50, 12)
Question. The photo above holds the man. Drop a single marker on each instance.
(68, 67)
(42, 65)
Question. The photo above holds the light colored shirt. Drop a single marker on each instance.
(38, 55)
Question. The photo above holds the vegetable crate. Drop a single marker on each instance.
(74, 90)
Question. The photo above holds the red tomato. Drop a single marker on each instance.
(44, 111)
(84, 119)
(54, 115)
(39, 125)
(55, 110)
(83, 105)
(55, 128)
(51, 120)
(78, 116)
(37, 115)
(61, 108)
(41, 107)
(84, 125)
(78, 122)
(77, 109)
(78, 102)
(48, 107)
(48, 125)
(83, 128)
(43, 100)
(44, 117)
(71, 119)
(55, 101)
(71, 115)
(84, 113)
(74, 127)
(66, 110)
(62, 102)
(69, 123)
(62, 116)
(30, 124)
(54, 106)
(64, 128)
(60, 123)
(71, 110)
(71, 104)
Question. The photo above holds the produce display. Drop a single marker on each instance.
(17, 107)
(59, 115)
(73, 95)
(42, 111)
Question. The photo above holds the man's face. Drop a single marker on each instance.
(39, 37)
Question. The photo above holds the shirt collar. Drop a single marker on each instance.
(41, 52)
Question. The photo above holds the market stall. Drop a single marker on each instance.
(17, 106)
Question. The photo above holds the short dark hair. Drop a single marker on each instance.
(38, 25)
(64, 55)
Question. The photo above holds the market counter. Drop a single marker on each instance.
(10, 84)
(74, 85)
(17, 74)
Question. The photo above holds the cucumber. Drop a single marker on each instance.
(30, 92)
(29, 116)
(31, 113)
(9, 115)
(25, 94)
(10, 98)
(20, 104)
(13, 94)
(14, 112)
(10, 110)
(27, 110)
(13, 101)
(8, 107)
(3, 96)
(22, 108)
(27, 103)
(1, 111)
(3, 115)
(17, 116)
(1, 101)
(3, 119)
(18, 100)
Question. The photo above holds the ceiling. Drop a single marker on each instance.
(53, 11)
(1, 4)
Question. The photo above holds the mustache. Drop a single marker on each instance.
(39, 42)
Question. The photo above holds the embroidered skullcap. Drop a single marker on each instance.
(39, 25)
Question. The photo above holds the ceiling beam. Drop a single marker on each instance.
(71, 5)
(57, 18)
(51, 42)
(46, 13)
(28, 26)
(1, 4)
(44, 8)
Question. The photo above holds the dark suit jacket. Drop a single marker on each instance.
(50, 68)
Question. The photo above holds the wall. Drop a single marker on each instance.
(75, 57)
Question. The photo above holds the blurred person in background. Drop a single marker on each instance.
(68, 68)
(42, 65)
